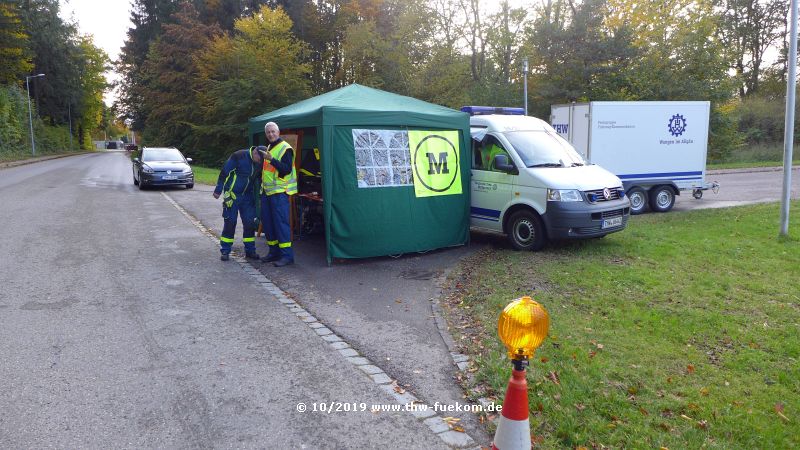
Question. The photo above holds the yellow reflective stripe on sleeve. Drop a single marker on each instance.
(227, 240)
(252, 239)
(284, 245)
(272, 242)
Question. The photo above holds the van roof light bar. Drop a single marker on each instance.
(482, 110)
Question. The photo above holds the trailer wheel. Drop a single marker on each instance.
(638, 198)
(525, 231)
(697, 193)
(662, 198)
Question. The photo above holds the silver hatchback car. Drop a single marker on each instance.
(160, 166)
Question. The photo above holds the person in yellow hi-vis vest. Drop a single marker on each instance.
(278, 182)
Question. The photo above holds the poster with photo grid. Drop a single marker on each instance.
(382, 158)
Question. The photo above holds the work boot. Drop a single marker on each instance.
(224, 257)
(252, 255)
(270, 258)
(283, 262)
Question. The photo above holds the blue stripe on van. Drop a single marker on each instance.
(659, 175)
(485, 214)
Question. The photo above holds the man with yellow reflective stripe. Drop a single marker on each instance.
(240, 180)
(278, 182)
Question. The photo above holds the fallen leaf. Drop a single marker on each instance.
(580, 406)
(592, 353)
(693, 406)
(690, 369)
(544, 359)
(643, 411)
(702, 424)
(554, 378)
(398, 301)
(457, 428)
(399, 390)
(704, 392)
(600, 346)
(779, 407)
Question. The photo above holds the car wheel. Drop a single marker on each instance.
(525, 231)
(141, 183)
(662, 198)
(697, 193)
(190, 185)
(638, 199)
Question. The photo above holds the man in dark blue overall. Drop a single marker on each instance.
(240, 182)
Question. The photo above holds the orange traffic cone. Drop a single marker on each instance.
(513, 431)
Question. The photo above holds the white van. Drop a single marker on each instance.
(530, 184)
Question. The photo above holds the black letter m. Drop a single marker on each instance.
(437, 167)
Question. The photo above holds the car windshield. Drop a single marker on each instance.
(543, 149)
(162, 154)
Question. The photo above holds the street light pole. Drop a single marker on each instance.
(525, 82)
(30, 115)
(788, 131)
(69, 113)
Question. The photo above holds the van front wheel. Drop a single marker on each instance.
(525, 231)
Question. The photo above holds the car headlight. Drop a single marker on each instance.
(564, 195)
(147, 169)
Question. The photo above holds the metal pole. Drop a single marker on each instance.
(30, 116)
(525, 82)
(788, 134)
(69, 112)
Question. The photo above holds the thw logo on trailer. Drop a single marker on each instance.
(677, 125)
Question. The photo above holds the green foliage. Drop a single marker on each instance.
(724, 138)
(14, 49)
(653, 342)
(170, 103)
(13, 120)
(257, 70)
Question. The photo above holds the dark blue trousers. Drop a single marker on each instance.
(275, 221)
(244, 206)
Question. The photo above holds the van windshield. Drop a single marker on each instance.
(543, 149)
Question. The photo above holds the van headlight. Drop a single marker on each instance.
(564, 195)
(146, 169)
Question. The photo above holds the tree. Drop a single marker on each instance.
(14, 50)
(256, 70)
(748, 28)
(87, 108)
(169, 100)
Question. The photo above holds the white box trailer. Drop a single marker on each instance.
(657, 149)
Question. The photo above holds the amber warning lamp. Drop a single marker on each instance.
(522, 327)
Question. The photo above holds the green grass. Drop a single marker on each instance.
(755, 155)
(682, 331)
(205, 175)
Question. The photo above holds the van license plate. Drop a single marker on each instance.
(612, 222)
(174, 177)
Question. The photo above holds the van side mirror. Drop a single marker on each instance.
(188, 160)
(135, 159)
(501, 162)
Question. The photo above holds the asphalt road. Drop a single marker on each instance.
(741, 187)
(120, 328)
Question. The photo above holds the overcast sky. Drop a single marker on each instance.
(107, 21)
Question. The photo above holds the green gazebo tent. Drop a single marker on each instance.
(395, 170)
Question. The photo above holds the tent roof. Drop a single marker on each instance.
(360, 105)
